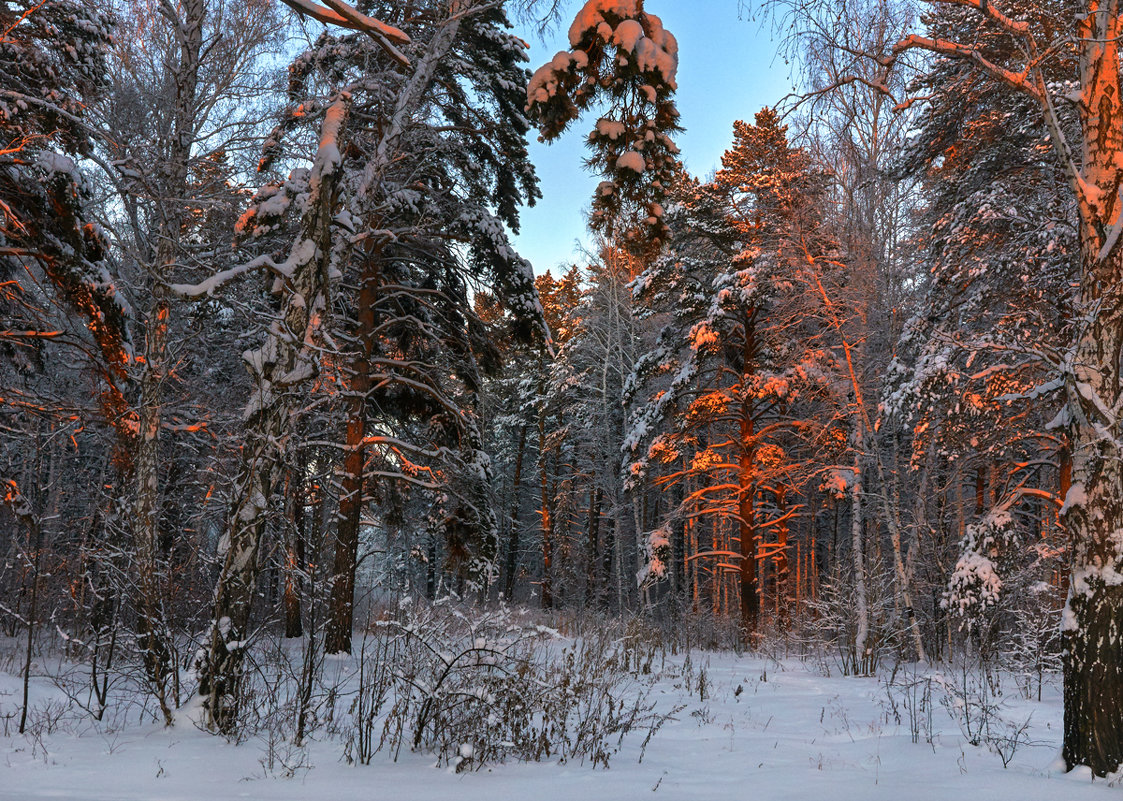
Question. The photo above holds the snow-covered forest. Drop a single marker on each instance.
(806, 478)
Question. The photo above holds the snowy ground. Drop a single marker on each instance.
(790, 734)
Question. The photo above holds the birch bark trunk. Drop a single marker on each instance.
(152, 633)
(858, 558)
(286, 362)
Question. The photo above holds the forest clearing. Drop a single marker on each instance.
(433, 398)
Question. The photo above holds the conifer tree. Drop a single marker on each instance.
(1019, 46)
(623, 55)
(54, 56)
(734, 358)
(964, 381)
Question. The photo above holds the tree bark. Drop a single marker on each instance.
(858, 557)
(152, 633)
(1093, 514)
(546, 515)
(341, 622)
(1093, 665)
(592, 544)
(511, 562)
(784, 599)
(295, 559)
(22, 511)
(746, 492)
(285, 363)
(746, 515)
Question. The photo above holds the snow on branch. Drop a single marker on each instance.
(1016, 27)
(220, 279)
(345, 16)
(943, 47)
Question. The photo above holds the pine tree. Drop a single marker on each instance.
(414, 209)
(586, 395)
(1019, 48)
(965, 380)
(730, 364)
(623, 55)
(512, 404)
(54, 58)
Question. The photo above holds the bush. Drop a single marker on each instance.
(477, 687)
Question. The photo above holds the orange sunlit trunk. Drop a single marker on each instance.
(750, 591)
(342, 618)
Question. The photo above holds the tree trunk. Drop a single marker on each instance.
(512, 560)
(746, 514)
(638, 522)
(295, 560)
(152, 634)
(592, 544)
(546, 516)
(678, 551)
(280, 368)
(606, 562)
(746, 491)
(431, 569)
(102, 541)
(22, 511)
(152, 630)
(904, 590)
(858, 556)
(784, 598)
(341, 622)
(1093, 665)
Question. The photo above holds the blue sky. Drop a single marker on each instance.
(728, 69)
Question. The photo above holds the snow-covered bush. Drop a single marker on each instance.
(975, 583)
(832, 628)
(1003, 590)
(482, 686)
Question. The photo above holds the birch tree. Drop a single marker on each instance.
(172, 136)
